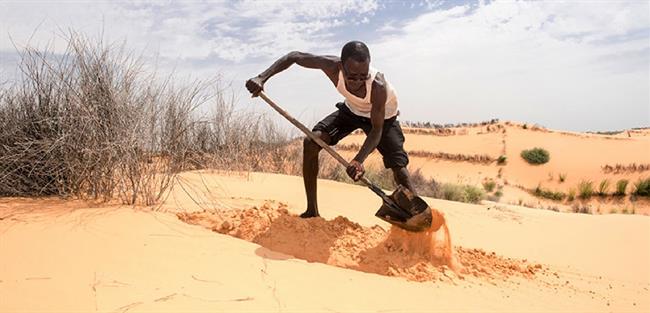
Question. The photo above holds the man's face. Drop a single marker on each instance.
(355, 73)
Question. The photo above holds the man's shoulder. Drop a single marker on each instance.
(332, 58)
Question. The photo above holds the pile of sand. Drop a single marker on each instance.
(424, 256)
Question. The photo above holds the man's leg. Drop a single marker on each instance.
(401, 175)
(391, 147)
(310, 172)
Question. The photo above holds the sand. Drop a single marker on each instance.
(235, 244)
(425, 256)
(576, 156)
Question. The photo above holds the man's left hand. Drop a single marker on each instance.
(355, 170)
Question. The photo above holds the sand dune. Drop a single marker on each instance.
(577, 157)
(85, 258)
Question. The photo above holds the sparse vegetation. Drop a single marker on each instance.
(621, 187)
(584, 209)
(461, 193)
(475, 158)
(502, 160)
(92, 123)
(571, 195)
(603, 187)
(585, 189)
(489, 185)
(629, 168)
(380, 177)
(548, 194)
(535, 156)
(642, 187)
(562, 177)
(86, 124)
(425, 187)
(433, 125)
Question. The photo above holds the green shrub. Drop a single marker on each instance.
(621, 186)
(585, 189)
(489, 185)
(562, 177)
(498, 194)
(452, 192)
(548, 194)
(642, 187)
(535, 156)
(460, 193)
(603, 187)
(502, 160)
(474, 194)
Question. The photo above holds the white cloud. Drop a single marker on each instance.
(233, 31)
(559, 64)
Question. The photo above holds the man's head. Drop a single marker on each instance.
(355, 63)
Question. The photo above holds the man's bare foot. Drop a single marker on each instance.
(309, 214)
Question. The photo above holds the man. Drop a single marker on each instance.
(370, 104)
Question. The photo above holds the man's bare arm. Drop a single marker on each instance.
(377, 114)
(328, 64)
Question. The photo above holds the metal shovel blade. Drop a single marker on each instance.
(409, 212)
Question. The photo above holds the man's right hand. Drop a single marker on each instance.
(255, 85)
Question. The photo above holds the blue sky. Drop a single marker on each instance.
(575, 65)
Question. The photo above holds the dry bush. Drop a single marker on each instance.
(93, 123)
(585, 189)
(77, 124)
(433, 125)
(621, 168)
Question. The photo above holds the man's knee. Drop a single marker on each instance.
(311, 146)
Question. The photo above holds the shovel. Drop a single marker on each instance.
(402, 208)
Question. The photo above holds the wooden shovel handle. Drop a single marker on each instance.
(311, 135)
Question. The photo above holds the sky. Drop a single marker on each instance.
(574, 65)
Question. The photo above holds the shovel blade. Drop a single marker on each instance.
(409, 212)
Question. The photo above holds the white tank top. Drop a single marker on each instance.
(362, 106)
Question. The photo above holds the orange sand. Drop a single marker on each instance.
(424, 256)
(577, 156)
(61, 256)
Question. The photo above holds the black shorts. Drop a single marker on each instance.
(342, 122)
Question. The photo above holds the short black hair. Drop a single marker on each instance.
(356, 50)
